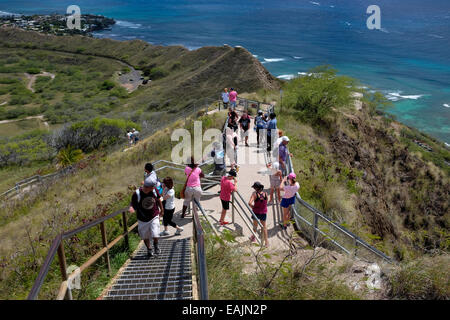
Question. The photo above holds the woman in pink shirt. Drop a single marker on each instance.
(193, 185)
(226, 188)
(233, 96)
(290, 191)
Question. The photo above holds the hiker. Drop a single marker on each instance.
(275, 180)
(283, 154)
(258, 203)
(225, 98)
(231, 146)
(169, 207)
(232, 119)
(193, 185)
(129, 134)
(272, 125)
(244, 123)
(135, 135)
(150, 173)
(233, 96)
(226, 188)
(147, 207)
(290, 191)
(260, 124)
(219, 159)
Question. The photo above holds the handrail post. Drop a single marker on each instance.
(125, 228)
(232, 207)
(105, 244)
(316, 223)
(63, 267)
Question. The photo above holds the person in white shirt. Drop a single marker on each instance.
(169, 207)
(225, 98)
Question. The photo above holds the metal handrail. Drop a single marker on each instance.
(341, 229)
(200, 253)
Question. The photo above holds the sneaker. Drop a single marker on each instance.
(178, 232)
(164, 233)
(149, 253)
(157, 250)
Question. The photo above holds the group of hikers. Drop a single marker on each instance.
(155, 198)
(132, 136)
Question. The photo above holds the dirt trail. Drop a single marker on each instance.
(32, 78)
(40, 117)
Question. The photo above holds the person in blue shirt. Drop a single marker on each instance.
(260, 124)
(272, 125)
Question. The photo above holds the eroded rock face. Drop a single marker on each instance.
(395, 182)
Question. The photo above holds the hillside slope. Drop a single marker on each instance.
(193, 74)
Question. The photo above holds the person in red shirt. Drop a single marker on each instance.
(226, 188)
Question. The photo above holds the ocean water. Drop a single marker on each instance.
(408, 59)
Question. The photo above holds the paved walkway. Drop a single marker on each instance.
(252, 167)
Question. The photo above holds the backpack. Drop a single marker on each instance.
(260, 124)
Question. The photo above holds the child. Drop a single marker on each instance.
(169, 207)
(290, 191)
(275, 180)
(258, 203)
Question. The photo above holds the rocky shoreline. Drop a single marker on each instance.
(56, 24)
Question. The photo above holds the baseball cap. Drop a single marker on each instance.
(149, 183)
(232, 173)
(292, 175)
(257, 185)
(284, 138)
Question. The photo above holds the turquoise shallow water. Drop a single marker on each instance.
(408, 59)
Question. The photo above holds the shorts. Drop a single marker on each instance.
(225, 105)
(150, 229)
(275, 181)
(260, 216)
(225, 204)
(286, 202)
(192, 192)
(233, 104)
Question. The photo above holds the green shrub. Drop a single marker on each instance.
(69, 156)
(317, 94)
(107, 85)
(158, 73)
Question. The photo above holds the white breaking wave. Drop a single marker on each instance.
(446, 105)
(304, 74)
(436, 36)
(298, 58)
(127, 24)
(7, 14)
(315, 3)
(255, 55)
(396, 96)
(286, 76)
(273, 59)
